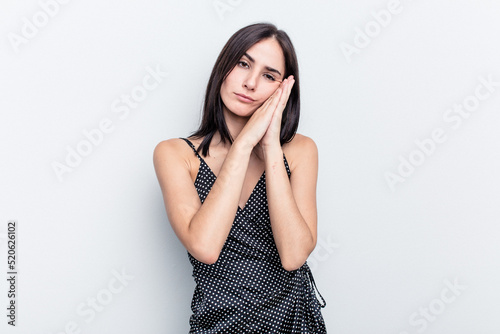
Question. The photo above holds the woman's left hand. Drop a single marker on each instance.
(272, 136)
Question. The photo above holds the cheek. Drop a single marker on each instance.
(228, 85)
(225, 89)
(225, 94)
(268, 92)
(231, 78)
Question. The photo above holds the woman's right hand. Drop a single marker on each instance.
(259, 122)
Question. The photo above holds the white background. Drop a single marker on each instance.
(386, 257)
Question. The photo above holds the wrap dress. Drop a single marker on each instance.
(247, 290)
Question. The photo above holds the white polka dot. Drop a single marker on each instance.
(247, 290)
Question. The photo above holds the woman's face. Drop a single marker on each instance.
(255, 78)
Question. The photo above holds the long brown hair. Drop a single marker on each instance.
(213, 117)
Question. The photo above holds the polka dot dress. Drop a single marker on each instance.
(247, 290)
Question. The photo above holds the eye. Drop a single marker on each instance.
(243, 63)
(269, 77)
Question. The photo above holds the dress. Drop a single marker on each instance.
(247, 290)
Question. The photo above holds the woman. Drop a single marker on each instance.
(249, 221)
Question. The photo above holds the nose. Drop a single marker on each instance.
(250, 81)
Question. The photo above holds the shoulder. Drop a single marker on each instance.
(174, 150)
(299, 142)
(168, 147)
(300, 150)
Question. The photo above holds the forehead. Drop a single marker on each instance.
(268, 52)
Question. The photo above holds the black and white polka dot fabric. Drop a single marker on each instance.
(247, 290)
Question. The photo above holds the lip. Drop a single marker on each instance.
(244, 98)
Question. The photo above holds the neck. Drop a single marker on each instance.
(234, 123)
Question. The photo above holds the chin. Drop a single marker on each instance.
(241, 111)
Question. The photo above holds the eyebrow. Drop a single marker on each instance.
(270, 69)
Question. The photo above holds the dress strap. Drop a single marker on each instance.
(192, 146)
(286, 165)
(199, 157)
(311, 279)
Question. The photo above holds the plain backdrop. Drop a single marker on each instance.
(401, 98)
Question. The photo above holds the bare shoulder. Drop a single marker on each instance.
(300, 150)
(174, 151)
(300, 142)
(168, 148)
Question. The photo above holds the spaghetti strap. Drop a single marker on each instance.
(313, 284)
(192, 146)
(287, 167)
(247, 290)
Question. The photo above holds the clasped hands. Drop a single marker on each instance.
(264, 126)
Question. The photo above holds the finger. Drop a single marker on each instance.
(290, 83)
(286, 93)
(290, 86)
(276, 99)
(266, 104)
(273, 95)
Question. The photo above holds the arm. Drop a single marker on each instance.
(292, 203)
(203, 228)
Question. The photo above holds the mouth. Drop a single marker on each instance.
(244, 98)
